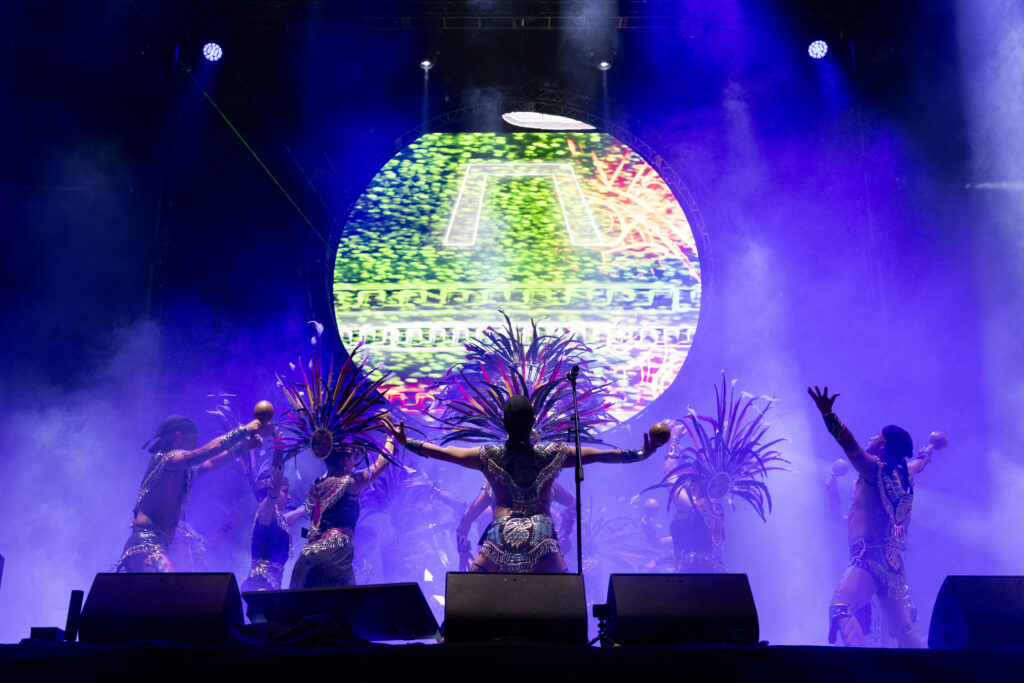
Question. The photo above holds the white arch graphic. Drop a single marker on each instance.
(464, 223)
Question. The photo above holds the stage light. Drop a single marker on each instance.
(212, 52)
(817, 49)
(604, 66)
(536, 120)
(426, 65)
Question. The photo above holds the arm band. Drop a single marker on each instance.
(632, 456)
(413, 446)
(834, 426)
(234, 437)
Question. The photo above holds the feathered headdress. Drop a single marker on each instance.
(330, 410)
(724, 457)
(502, 364)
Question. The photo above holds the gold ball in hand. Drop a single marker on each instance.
(659, 434)
(264, 411)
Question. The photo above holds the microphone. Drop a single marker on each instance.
(573, 374)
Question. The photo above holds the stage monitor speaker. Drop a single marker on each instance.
(978, 611)
(539, 607)
(396, 611)
(665, 609)
(184, 607)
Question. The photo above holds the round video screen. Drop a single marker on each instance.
(573, 230)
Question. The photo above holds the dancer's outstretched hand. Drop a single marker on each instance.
(649, 446)
(397, 432)
(821, 399)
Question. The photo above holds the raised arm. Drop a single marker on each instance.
(266, 511)
(861, 461)
(466, 457)
(936, 442)
(221, 459)
(185, 459)
(362, 479)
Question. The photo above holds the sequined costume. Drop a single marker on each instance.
(147, 541)
(881, 555)
(698, 534)
(271, 546)
(521, 476)
(326, 559)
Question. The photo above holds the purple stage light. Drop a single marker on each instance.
(817, 49)
(212, 52)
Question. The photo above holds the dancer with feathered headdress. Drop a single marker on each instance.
(506, 390)
(332, 415)
(711, 460)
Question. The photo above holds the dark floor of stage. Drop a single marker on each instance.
(505, 661)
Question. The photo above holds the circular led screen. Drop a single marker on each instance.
(573, 230)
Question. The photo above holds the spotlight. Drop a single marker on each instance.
(426, 65)
(212, 52)
(604, 66)
(817, 49)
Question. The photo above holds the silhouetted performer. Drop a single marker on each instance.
(165, 488)
(877, 524)
(521, 537)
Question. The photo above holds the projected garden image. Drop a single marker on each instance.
(574, 230)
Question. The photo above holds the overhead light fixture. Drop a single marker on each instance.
(817, 49)
(538, 121)
(213, 52)
(426, 65)
(604, 66)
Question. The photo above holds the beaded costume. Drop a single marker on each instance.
(502, 363)
(271, 546)
(145, 540)
(330, 412)
(882, 558)
(326, 559)
(521, 476)
(698, 536)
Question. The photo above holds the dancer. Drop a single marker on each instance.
(712, 460)
(166, 485)
(521, 537)
(508, 377)
(936, 441)
(332, 505)
(877, 528)
(271, 537)
(332, 416)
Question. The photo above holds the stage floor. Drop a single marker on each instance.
(504, 661)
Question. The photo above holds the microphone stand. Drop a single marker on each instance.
(574, 430)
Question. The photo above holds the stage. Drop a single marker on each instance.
(506, 661)
(697, 199)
